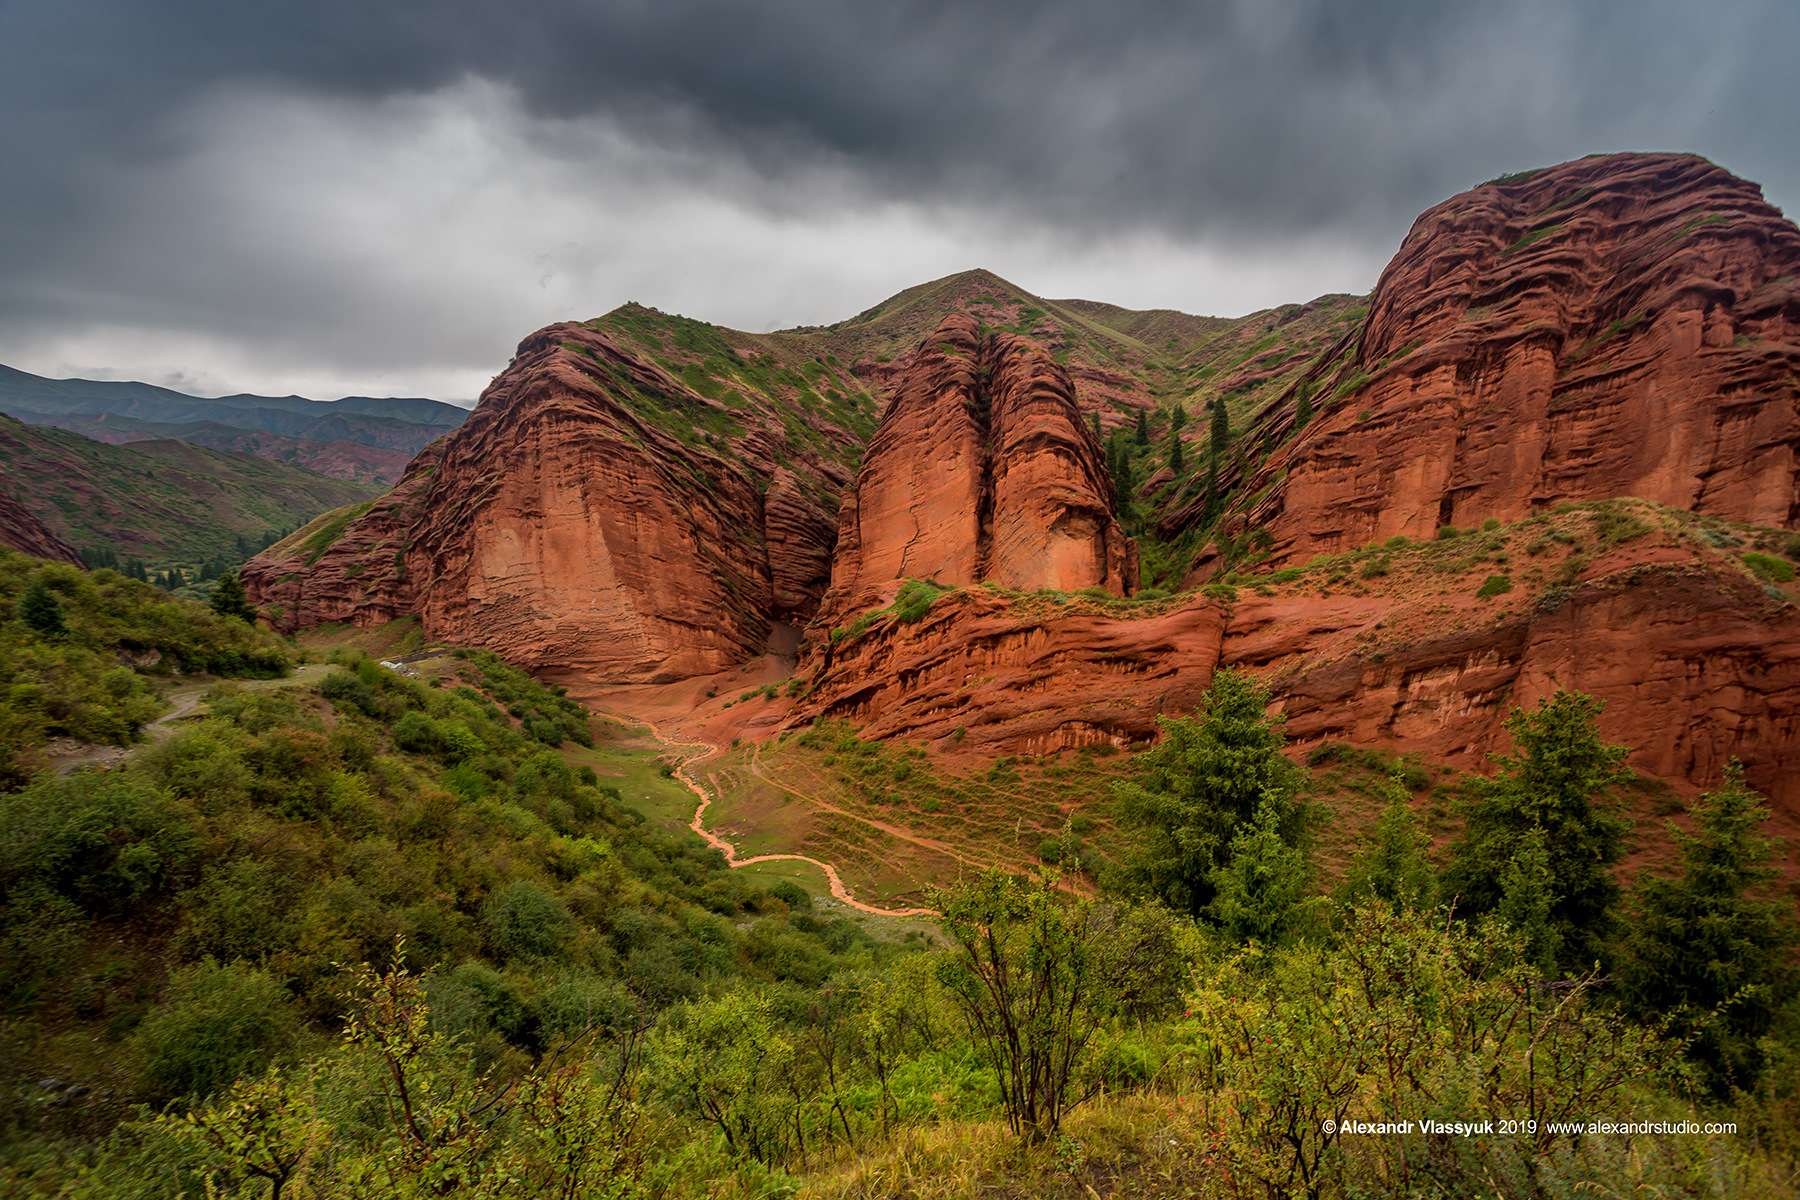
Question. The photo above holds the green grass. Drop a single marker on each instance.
(1530, 239)
(326, 535)
(1769, 569)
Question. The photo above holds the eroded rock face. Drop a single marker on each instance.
(1696, 663)
(1626, 325)
(28, 535)
(1694, 667)
(1020, 679)
(982, 469)
(567, 524)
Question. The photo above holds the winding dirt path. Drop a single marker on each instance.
(185, 699)
(698, 824)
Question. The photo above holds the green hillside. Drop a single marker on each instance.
(166, 503)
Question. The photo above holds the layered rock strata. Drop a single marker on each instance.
(585, 517)
(1695, 661)
(982, 469)
(1624, 325)
(25, 533)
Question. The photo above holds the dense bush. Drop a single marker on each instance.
(81, 654)
(216, 1023)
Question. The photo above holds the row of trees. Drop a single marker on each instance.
(1226, 840)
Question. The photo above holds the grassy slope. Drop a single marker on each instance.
(165, 502)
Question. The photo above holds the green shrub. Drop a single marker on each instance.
(914, 600)
(797, 898)
(1493, 586)
(526, 923)
(214, 1024)
(102, 841)
(416, 733)
(1768, 569)
(1446, 532)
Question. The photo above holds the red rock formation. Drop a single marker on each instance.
(1626, 325)
(1695, 661)
(982, 469)
(1695, 666)
(1025, 677)
(582, 518)
(28, 535)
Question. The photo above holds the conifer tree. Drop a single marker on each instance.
(1178, 418)
(1527, 899)
(1119, 460)
(1394, 865)
(1259, 890)
(1203, 781)
(229, 599)
(1221, 431)
(41, 609)
(1558, 785)
(1705, 939)
(1303, 409)
(1176, 462)
(1143, 428)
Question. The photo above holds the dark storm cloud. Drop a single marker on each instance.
(174, 166)
(1254, 116)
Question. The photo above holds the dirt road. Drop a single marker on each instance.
(698, 825)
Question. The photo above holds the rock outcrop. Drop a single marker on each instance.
(996, 675)
(595, 513)
(25, 533)
(1695, 660)
(1625, 325)
(982, 469)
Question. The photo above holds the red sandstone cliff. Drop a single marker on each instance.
(25, 533)
(1620, 326)
(983, 468)
(1624, 325)
(1696, 660)
(595, 513)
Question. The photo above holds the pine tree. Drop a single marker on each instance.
(1119, 462)
(1527, 899)
(41, 609)
(1394, 865)
(1096, 424)
(1221, 431)
(1557, 784)
(1176, 463)
(229, 599)
(1303, 409)
(1204, 779)
(1178, 418)
(1143, 428)
(1259, 891)
(1700, 941)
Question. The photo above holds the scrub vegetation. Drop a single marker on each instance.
(379, 932)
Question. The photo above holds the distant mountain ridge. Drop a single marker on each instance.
(166, 503)
(405, 424)
(339, 458)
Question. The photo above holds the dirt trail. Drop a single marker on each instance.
(894, 831)
(698, 824)
(186, 700)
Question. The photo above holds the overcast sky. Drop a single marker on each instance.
(383, 196)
